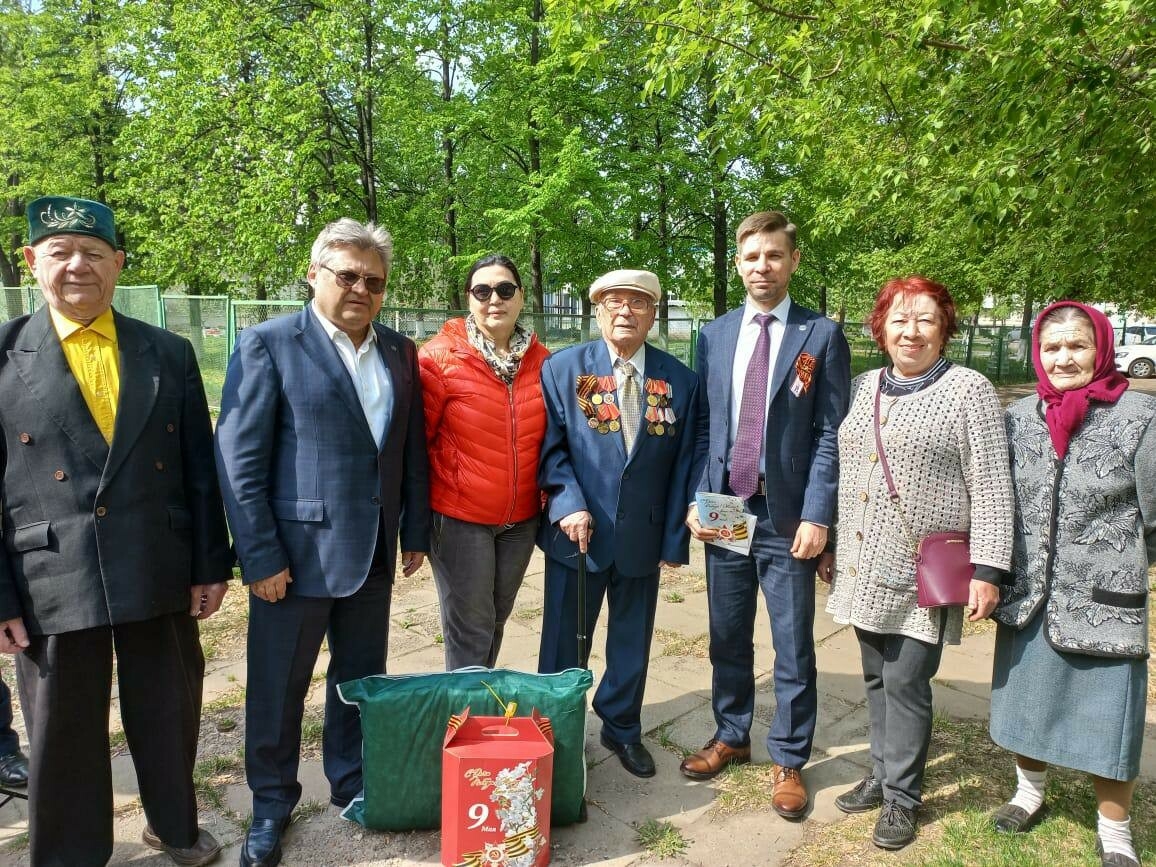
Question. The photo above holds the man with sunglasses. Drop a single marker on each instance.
(624, 446)
(322, 457)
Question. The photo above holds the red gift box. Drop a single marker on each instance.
(496, 776)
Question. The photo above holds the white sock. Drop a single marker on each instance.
(1029, 789)
(1116, 836)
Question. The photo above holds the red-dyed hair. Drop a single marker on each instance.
(916, 284)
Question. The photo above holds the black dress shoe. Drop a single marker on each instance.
(866, 796)
(895, 827)
(14, 769)
(634, 757)
(1010, 819)
(263, 843)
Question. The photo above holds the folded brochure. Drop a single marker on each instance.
(725, 513)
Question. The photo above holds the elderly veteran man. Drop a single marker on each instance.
(114, 540)
(623, 448)
(321, 449)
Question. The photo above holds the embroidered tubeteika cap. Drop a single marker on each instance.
(65, 215)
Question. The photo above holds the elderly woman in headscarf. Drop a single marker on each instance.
(1070, 681)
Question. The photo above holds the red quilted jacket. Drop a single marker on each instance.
(483, 436)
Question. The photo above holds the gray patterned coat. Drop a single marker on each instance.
(1085, 531)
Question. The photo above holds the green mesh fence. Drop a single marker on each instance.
(211, 324)
(140, 302)
(204, 321)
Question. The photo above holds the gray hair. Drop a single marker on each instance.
(347, 232)
(1063, 315)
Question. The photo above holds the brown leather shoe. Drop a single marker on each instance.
(714, 758)
(788, 795)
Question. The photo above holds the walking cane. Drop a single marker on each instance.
(583, 652)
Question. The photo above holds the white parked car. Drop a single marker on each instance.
(1137, 359)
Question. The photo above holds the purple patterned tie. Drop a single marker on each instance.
(744, 477)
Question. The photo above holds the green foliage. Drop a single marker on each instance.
(1005, 149)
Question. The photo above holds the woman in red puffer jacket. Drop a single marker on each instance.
(485, 420)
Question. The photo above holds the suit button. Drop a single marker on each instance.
(863, 496)
(101, 511)
(859, 535)
(377, 501)
(621, 515)
(853, 571)
(60, 475)
(873, 457)
(160, 465)
(25, 438)
(170, 427)
(625, 476)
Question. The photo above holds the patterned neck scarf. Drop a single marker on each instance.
(1066, 409)
(505, 368)
(892, 386)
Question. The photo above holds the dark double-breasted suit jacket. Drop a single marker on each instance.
(97, 534)
(638, 501)
(101, 546)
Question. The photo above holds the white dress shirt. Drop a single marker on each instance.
(368, 372)
(744, 349)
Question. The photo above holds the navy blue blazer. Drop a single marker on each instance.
(802, 462)
(639, 501)
(303, 480)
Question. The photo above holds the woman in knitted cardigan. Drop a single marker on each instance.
(942, 432)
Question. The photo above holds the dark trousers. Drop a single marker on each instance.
(630, 626)
(9, 740)
(733, 582)
(478, 569)
(284, 640)
(65, 689)
(897, 672)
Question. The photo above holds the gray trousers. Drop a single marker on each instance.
(897, 672)
(478, 569)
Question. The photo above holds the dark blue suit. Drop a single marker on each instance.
(801, 472)
(638, 503)
(306, 487)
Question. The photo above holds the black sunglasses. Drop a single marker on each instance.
(506, 290)
(349, 279)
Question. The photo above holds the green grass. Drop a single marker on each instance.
(967, 778)
(211, 776)
(661, 839)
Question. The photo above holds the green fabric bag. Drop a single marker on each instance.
(403, 724)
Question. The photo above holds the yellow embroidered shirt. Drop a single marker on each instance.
(94, 358)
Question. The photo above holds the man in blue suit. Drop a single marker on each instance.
(776, 379)
(322, 458)
(623, 449)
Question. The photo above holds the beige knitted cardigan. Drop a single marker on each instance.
(948, 454)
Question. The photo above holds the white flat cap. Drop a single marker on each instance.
(645, 282)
